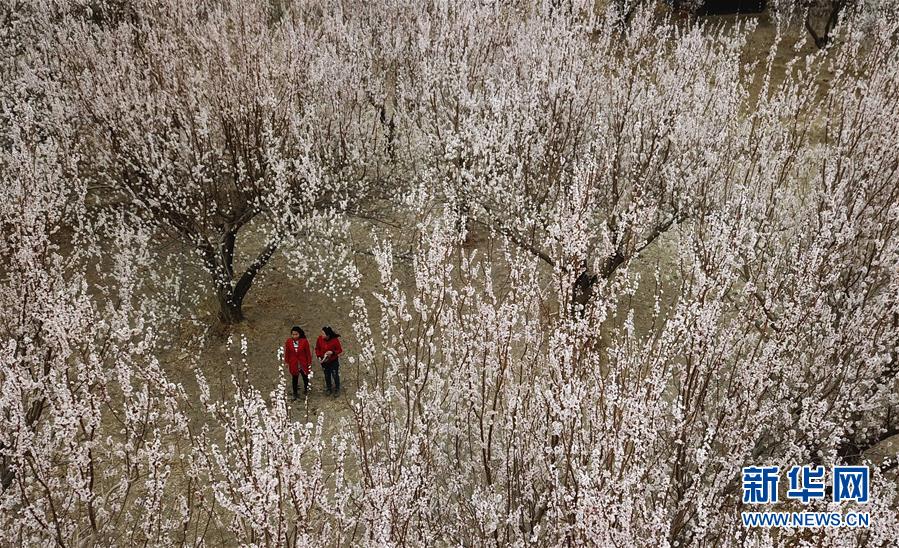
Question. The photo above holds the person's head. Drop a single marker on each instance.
(329, 333)
(297, 332)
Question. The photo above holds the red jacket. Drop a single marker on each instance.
(323, 345)
(297, 355)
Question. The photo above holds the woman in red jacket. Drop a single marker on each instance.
(298, 358)
(328, 350)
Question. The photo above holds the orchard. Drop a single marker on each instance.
(585, 265)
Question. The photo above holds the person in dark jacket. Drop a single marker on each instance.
(298, 358)
(328, 350)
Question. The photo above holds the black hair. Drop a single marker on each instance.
(299, 330)
(330, 333)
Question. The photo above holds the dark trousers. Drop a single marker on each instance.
(332, 371)
(296, 383)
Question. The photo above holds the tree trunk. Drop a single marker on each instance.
(220, 265)
(823, 40)
(227, 248)
(230, 308)
(582, 292)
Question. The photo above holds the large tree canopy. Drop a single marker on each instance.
(210, 116)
